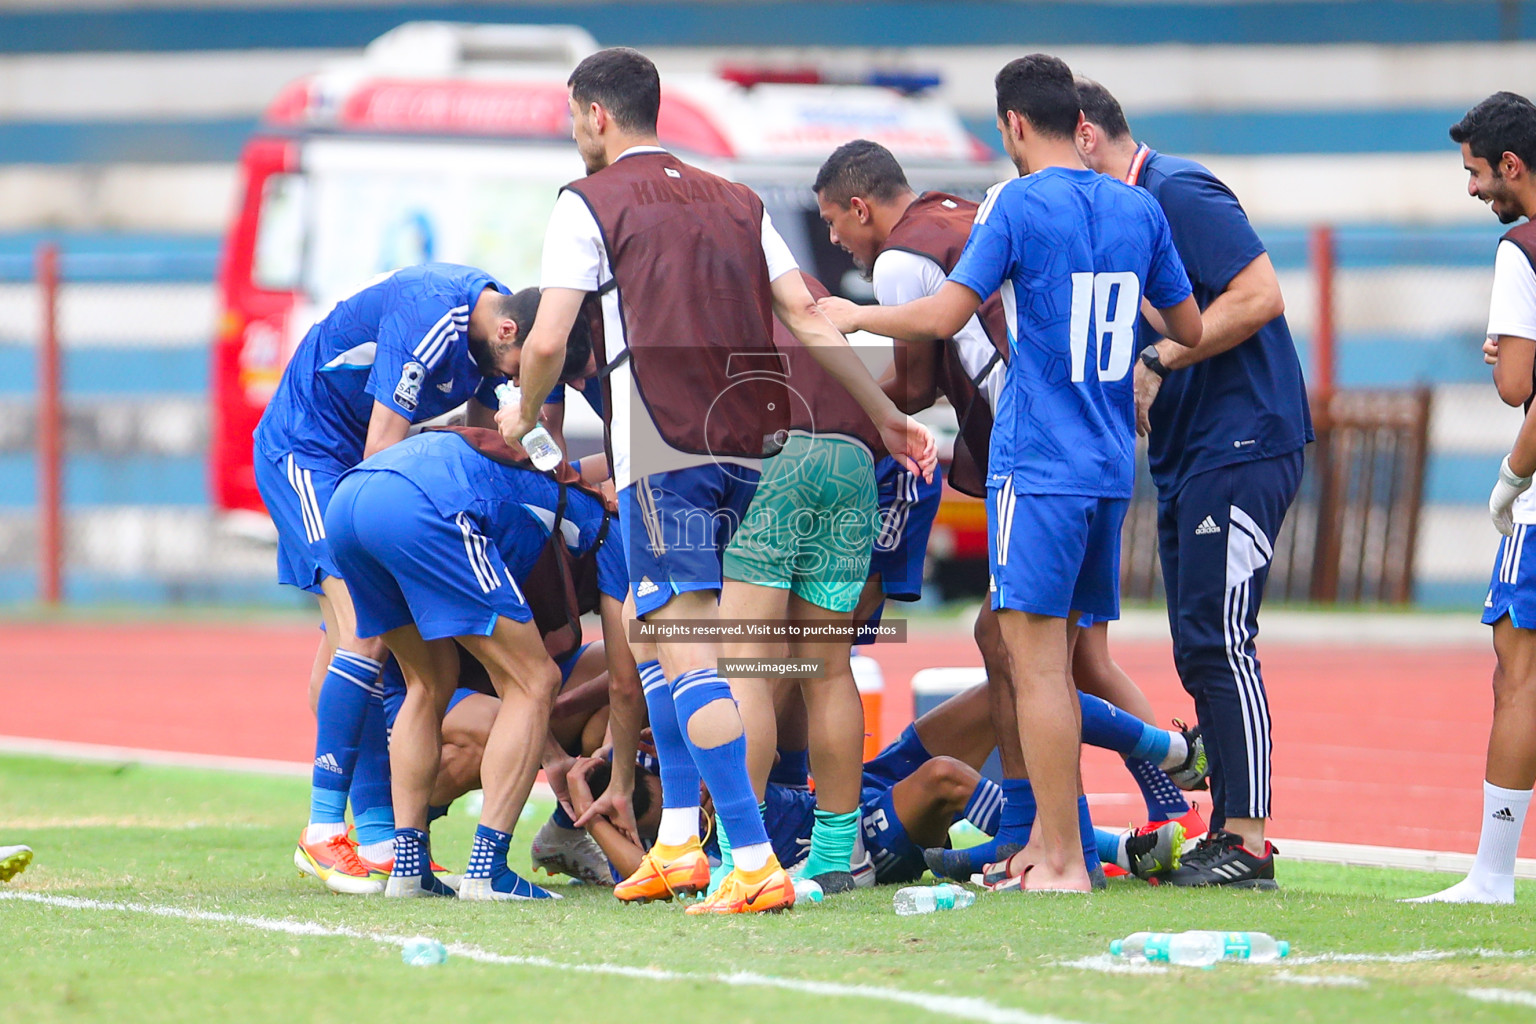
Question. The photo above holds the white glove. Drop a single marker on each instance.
(1502, 500)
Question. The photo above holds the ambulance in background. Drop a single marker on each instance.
(450, 142)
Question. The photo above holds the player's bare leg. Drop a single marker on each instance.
(1095, 671)
(430, 668)
(835, 733)
(928, 801)
(1050, 736)
(526, 681)
(1003, 701)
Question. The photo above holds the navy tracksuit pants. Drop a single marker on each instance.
(1216, 538)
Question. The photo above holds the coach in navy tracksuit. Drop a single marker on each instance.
(1226, 422)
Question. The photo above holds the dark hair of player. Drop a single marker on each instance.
(623, 82)
(639, 800)
(521, 308)
(1503, 123)
(1100, 108)
(860, 168)
(1040, 89)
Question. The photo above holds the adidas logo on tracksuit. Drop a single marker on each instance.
(1207, 525)
(327, 762)
(1503, 814)
(646, 587)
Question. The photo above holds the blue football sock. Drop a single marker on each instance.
(792, 770)
(562, 819)
(340, 714)
(1086, 833)
(985, 809)
(1153, 745)
(679, 776)
(1165, 801)
(1018, 816)
(1016, 820)
(489, 854)
(902, 756)
(724, 767)
(1109, 847)
(1105, 725)
(373, 811)
(411, 858)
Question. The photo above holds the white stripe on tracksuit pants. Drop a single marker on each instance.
(1216, 538)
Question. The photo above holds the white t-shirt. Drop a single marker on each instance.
(575, 257)
(1512, 312)
(900, 276)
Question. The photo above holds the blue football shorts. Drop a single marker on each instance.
(1053, 554)
(296, 490)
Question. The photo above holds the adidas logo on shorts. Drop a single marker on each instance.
(328, 763)
(1503, 814)
(1207, 525)
(646, 587)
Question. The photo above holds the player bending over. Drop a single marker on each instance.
(438, 535)
(408, 347)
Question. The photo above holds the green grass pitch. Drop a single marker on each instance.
(175, 900)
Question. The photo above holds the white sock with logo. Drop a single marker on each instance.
(1503, 818)
(1492, 878)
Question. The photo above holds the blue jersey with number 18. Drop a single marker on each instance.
(1072, 252)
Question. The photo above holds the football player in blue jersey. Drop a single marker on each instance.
(578, 724)
(436, 537)
(1226, 423)
(406, 348)
(1074, 253)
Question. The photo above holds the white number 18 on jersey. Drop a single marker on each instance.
(1115, 337)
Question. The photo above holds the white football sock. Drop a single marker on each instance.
(321, 831)
(1492, 878)
(1503, 818)
(378, 853)
(1178, 750)
(678, 825)
(752, 858)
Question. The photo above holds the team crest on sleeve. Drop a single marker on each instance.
(408, 391)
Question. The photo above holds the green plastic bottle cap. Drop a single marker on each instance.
(1116, 945)
(1284, 948)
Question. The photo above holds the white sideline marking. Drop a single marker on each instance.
(960, 1007)
(1332, 980)
(1501, 995)
(1356, 855)
(1420, 956)
(135, 755)
(1108, 963)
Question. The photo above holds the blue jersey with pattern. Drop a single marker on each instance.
(514, 507)
(1072, 253)
(401, 341)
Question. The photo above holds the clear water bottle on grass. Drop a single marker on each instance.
(1194, 949)
(925, 899)
(1253, 947)
(539, 445)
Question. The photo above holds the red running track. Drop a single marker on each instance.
(1378, 745)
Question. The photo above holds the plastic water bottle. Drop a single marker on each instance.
(541, 448)
(808, 890)
(1253, 947)
(423, 952)
(925, 899)
(1199, 949)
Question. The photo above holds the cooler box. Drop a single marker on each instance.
(933, 686)
(871, 683)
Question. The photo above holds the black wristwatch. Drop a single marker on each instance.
(1150, 359)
